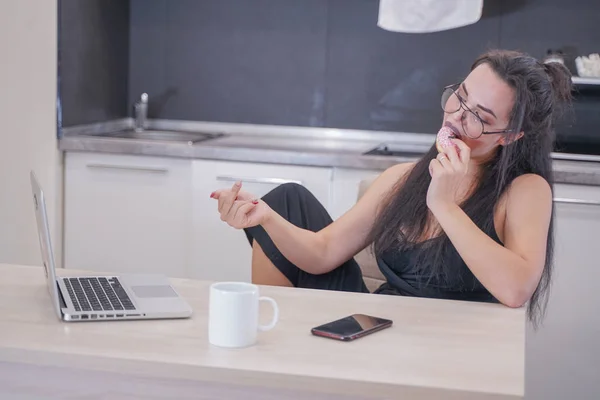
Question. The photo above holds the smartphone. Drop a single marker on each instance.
(351, 327)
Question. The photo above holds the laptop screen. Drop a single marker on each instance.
(45, 243)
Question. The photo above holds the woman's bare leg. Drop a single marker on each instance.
(263, 270)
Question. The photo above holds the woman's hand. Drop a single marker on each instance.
(448, 174)
(239, 208)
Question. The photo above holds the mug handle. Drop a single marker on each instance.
(271, 325)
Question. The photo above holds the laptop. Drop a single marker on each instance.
(110, 297)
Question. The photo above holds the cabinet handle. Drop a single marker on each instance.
(577, 201)
(129, 168)
(275, 181)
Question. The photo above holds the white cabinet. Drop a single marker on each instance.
(221, 252)
(346, 182)
(563, 355)
(127, 213)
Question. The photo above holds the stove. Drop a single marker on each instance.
(583, 153)
(403, 151)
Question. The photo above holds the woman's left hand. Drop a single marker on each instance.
(448, 174)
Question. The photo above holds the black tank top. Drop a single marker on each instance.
(404, 277)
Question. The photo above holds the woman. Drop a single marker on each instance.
(472, 222)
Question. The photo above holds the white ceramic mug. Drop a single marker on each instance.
(233, 314)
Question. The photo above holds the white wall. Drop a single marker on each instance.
(28, 44)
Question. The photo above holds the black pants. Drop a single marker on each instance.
(300, 207)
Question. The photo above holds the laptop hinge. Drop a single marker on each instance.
(63, 304)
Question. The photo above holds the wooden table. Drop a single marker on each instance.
(436, 349)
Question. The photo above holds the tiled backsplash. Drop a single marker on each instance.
(288, 62)
(93, 60)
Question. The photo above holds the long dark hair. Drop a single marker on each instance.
(540, 90)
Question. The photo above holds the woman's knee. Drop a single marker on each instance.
(288, 190)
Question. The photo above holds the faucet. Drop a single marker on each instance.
(141, 113)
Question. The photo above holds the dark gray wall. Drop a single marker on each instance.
(325, 62)
(259, 61)
(285, 62)
(543, 24)
(93, 60)
(384, 80)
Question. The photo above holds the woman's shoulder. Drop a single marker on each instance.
(528, 190)
(398, 171)
(386, 180)
(529, 184)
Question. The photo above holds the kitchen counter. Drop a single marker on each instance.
(436, 349)
(292, 145)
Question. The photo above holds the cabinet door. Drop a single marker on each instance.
(220, 251)
(562, 356)
(346, 182)
(127, 213)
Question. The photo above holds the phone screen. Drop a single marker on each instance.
(351, 327)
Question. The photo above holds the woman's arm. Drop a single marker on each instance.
(322, 251)
(511, 272)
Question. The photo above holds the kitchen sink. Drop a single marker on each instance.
(167, 136)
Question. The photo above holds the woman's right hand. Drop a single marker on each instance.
(239, 208)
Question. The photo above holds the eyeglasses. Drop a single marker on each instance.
(471, 123)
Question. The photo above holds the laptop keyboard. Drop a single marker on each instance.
(97, 294)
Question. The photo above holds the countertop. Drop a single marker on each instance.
(292, 145)
(436, 349)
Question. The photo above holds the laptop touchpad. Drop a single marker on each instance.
(148, 291)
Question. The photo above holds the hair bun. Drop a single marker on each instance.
(560, 78)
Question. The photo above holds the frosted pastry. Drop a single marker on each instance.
(443, 138)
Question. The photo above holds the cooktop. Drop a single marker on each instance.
(395, 151)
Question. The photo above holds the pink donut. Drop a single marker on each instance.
(443, 138)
